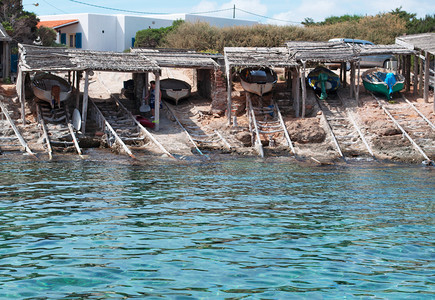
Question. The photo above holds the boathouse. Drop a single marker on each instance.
(5, 54)
(207, 70)
(424, 46)
(239, 57)
(77, 62)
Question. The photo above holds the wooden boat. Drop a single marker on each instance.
(51, 88)
(258, 81)
(175, 89)
(382, 81)
(324, 80)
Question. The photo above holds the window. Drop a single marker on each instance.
(71, 40)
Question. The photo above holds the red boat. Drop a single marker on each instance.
(145, 122)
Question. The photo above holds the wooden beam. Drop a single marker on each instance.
(157, 102)
(420, 78)
(426, 78)
(352, 79)
(298, 93)
(77, 89)
(23, 97)
(85, 101)
(415, 83)
(344, 75)
(357, 84)
(408, 73)
(229, 89)
(304, 90)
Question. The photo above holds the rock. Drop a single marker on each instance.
(245, 138)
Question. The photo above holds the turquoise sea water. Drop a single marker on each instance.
(234, 229)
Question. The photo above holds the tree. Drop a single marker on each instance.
(47, 36)
(153, 37)
(19, 24)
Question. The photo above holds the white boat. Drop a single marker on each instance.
(258, 81)
(175, 89)
(49, 87)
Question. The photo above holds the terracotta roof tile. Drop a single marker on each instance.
(56, 23)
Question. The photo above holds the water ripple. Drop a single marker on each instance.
(232, 229)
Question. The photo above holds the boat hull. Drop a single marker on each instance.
(373, 82)
(258, 81)
(43, 85)
(332, 82)
(175, 89)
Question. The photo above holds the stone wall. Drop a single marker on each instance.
(218, 92)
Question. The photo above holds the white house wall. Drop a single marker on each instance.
(132, 24)
(102, 32)
(115, 32)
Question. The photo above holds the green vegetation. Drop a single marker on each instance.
(153, 37)
(202, 36)
(380, 29)
(47, 36)
(19, 24)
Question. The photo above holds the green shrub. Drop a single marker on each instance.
(153, 37)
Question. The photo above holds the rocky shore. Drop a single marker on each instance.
(310, 135)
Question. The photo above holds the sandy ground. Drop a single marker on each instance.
(309, 135)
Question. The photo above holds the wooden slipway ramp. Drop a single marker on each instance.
(11, 138)
(347, 136)
(56, 127)
(168, 141)
(415, 127)
(267, 126)
(201, 138)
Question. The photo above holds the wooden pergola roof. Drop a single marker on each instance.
(383, 49)
(171, 58)
(4, 36)
(36, 58)
(424, 41)
(322, 51)
(259, 57)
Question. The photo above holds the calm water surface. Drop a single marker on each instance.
(228, 229)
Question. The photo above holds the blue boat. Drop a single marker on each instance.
(324, 80)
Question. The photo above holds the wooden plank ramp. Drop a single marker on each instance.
(57, 130)
(120, 129)
(201, 137)
(142, 128)
(346, 135)
(8, 140)
(412, 125)
(267, 126)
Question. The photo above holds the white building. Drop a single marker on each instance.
(117, 32)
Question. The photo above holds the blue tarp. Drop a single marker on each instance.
(390, 80)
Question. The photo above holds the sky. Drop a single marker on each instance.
(280, 12)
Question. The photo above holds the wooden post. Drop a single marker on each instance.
(77, 89)
(145, 86)
(157, 102)
(357, 83)
(298, 93)
(341, 72)
(23, 97)
(420, 77)
(344, 75)
(352, 79)
(85, 101)
(304, 90)
(229, 89)
(426, 77)
(408, 73)
(415, 83)
(7, 60)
